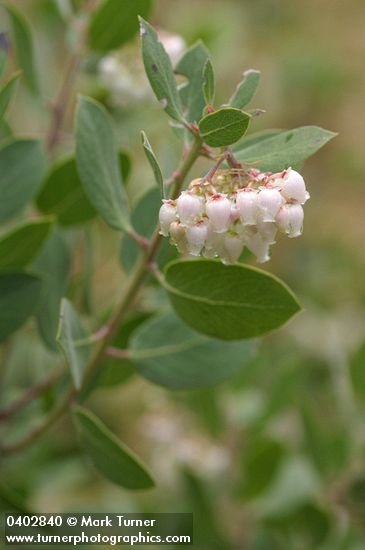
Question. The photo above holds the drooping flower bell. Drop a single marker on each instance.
(247, 205)
(189, 207)
(293, 187)
(290, 219)
(218, 209)
(269, 201)
(196, 236)
(166, 216)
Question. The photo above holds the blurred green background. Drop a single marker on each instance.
(275, 458)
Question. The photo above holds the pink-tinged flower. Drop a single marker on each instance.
(293, 187)
(212, 243)
(231, 249)
(218, 218)
(189, 207)
(246, 203)
(218, 209)
(290, 219)
(258, 247)
(178, 237)
(270, 201)
(167, 215)
(196, 236)
(267, 230)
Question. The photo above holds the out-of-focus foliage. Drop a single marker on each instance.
(273, 458)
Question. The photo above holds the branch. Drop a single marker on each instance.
(137, 279)
(139, 239)
(208, 177)
(32, 436)
(134, 285)
(59, 107)
(117, 352)
(31, 394)
(231, 159)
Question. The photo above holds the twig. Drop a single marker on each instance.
(92, 338)
(139, 239)
(231, 159)
(59, 107)
(117, 353)
(33, 435)
(154, 269)
(208, 177)
(31, 394)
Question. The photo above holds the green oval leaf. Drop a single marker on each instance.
(53, 263)
(208, 83)
(246, 89)
(228, 302)
(159, 71)
(3, 54)
(223, 127)
(20, 245)
(98, 165)
(169, 353)
(6, 132)
(70, 333)
(260, 465)
(284, 149)
(151, 157)
(357, 372)
(257, 137)
(63, 195)
(23, 47)
(19, 296)
(114, 23)
(6, 93)
(22, 168)
(110, 456)
(191, 66)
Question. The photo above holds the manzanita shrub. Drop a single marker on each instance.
(220, 222)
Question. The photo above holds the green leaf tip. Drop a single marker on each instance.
(223, 127)
(110, 456)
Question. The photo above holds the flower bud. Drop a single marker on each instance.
(258, 247)
(246, 203)
(293, 187)
(290, 219)
(178, 237)
(270, 201)
(231, 249)
(166, 216)
(218, 209)
(196, 236)
(189, 207)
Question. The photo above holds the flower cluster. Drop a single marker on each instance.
(236, 208)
